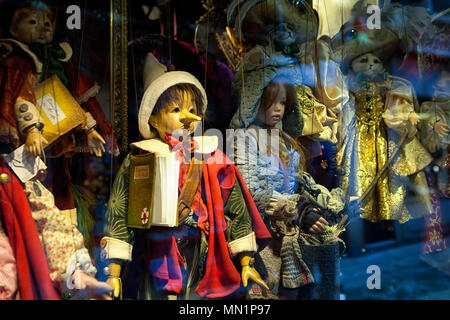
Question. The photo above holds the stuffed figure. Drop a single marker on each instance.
(382, 153)
(31, 58)
(176, 223)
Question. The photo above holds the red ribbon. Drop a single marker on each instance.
(183, 149)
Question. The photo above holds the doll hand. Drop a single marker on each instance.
(114, 278)
(95, 143)
(283, 203)
(442, 129)
(35, 142)
(319, 226)
(249, 272)
(274, 206)
(90, 288)
(413, 118)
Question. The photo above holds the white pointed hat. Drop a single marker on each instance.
(157, 80)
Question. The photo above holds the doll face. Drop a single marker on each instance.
(33, 26)
(176, 116)
(369, 65)
(275, 112)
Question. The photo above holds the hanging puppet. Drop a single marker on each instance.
(272, 164)
(32, 28)
(433, 76)
(383, 157)
(287, 30)
(45, 256)
(218, 222)
(42, 253)
(434, 134)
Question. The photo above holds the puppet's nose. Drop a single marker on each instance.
(188, 117)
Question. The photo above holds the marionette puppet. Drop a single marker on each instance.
(43, 256)
(37, 60)
(288, 31)
(176, 224)
(383, 156)
(435, 127)
(45, 250)
(272, 163)
(434, 134)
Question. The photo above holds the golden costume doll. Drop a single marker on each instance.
(384, 120)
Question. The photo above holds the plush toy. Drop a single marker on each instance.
(164, 177)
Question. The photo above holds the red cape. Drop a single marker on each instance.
(32, 269)
(221, 277)
(219, 177)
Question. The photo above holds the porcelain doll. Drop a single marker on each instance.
(287, 30)
(194, 259)
(275, 176)
(384, 114)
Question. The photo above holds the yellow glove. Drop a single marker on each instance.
(35, 142)
(249, 272)
(114, 278)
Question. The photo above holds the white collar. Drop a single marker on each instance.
(207, 144)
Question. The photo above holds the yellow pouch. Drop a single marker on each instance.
(58, 108)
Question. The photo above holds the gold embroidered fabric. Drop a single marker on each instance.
(412, 158)
(316, 120)
(374, 143)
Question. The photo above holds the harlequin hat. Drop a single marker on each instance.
(157, 80)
